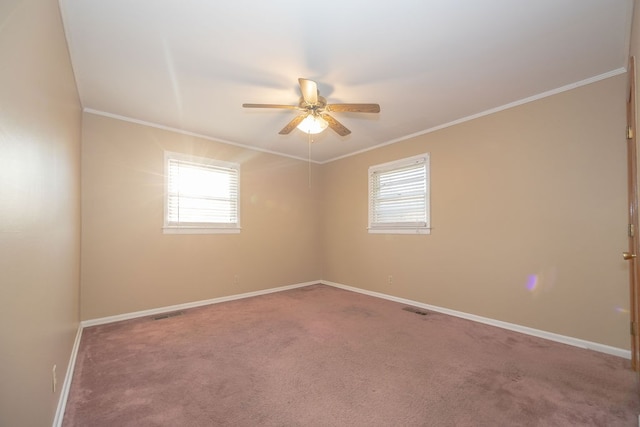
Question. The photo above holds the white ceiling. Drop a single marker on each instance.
(191, 64)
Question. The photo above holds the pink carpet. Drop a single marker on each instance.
(321, 356)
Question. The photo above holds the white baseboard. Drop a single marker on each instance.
(177, 307)
(66, 385)
(576, 342)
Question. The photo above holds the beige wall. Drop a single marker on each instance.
(129, 265)
(531, 195)
(40, 122)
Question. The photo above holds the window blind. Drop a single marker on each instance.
(398, 194)
(201, 194)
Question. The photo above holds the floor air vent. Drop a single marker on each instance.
(167, 315)
(416, 311)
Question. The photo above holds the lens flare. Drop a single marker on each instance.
(541, 282)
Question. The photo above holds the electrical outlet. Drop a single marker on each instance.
(54, 379)
(390, 280)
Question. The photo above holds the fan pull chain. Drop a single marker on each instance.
(310, 142)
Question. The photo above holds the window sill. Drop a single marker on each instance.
(399, 230)
(199, 230)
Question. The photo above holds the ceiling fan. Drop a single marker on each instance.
(314, 108)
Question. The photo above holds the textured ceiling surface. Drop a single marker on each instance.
(191, 64)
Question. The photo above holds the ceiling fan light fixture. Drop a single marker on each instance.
(313, 124)
(314, 117)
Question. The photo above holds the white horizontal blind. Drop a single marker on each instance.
(399, 194)
(201, 194)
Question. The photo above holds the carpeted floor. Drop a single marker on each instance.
(321, 356)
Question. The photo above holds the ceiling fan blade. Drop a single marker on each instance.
(309, 91)
(336, 125)
(290, 107)
(356, 108)
(292, 124)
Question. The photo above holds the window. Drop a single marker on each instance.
(399, 196)
(201, 195)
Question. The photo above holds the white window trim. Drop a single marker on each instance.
(199, 229)
(398, 228)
